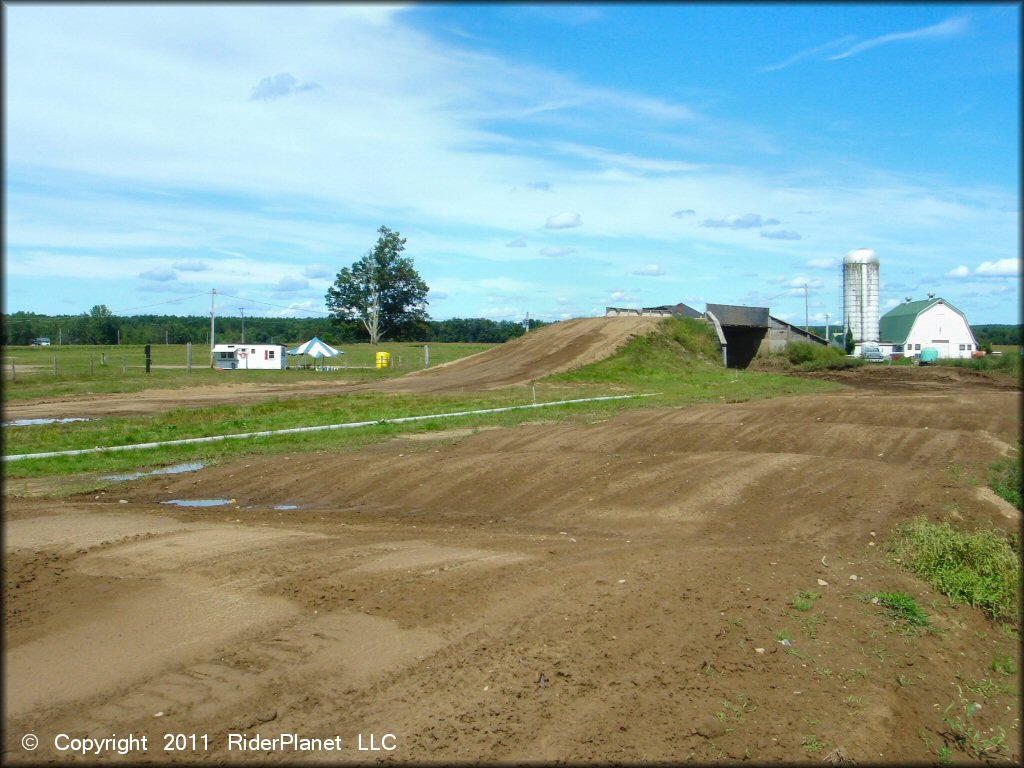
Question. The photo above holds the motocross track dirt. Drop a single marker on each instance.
(553, 349)
(613, 591)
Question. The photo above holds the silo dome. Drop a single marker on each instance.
(861, 256)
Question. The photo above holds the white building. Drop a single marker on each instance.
(932, 322)
(253, 357)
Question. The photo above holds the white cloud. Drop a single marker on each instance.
(540, 186)
(961, 271)
(1001, 268)
(683, 213)
(159, 275)
(781, 234)
(519, 242)
(190, 266)
(318, 271)
(271, 88)
(563, 221)
(622, 296)
(809, 53)
(736, 221)
(650, 270)
(832, 263)
(945, 29)
(557, 250)
(799, 282)
(624, 161)
(291, 284)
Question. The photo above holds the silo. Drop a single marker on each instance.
(860, 293)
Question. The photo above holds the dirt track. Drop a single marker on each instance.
(549, 592)
(553, 349)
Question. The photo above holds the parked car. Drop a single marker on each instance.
(871, 354)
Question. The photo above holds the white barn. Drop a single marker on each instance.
(253, 357)
(932, 322)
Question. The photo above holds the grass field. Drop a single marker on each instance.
(663, 363)
(30, 372)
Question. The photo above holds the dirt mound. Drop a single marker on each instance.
(620, 591)
(551, 349)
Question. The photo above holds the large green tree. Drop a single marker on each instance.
(382, 290)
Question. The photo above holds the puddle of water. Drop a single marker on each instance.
(198, 502)
(132, 476)
(177, 469)
(283, 507)
(38, 422)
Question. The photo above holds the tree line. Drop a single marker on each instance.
(100, 326)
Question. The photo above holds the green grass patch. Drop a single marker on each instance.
(902, 606)
(31, 372)
(804, 600)
(1004, 477)
(1009, 364)
(980, 568)
(1004, 665)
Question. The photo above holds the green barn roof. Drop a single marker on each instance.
(895, 325)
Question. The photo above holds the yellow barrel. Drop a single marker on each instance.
(383, 359)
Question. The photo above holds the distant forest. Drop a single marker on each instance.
(985, 334)
(99, 326)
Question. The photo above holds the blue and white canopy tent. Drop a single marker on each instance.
(316, 348)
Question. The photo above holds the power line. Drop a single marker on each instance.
(276, 306)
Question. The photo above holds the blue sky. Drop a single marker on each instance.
(545, 159)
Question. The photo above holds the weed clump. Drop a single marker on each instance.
(981, 569)
(900, 605)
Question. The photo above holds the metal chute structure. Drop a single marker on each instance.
(316, 349)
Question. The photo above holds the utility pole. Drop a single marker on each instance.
(806, 312)
(527, 322)
(827, 318)
(213, 314)
(242, 310)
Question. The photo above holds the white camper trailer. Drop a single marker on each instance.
(251, 357)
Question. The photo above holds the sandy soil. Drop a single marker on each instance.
(613, 591)
(553, 349)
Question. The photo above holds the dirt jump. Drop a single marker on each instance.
(552, 349)
(617, 591)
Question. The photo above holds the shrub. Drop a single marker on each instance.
(805, 356)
